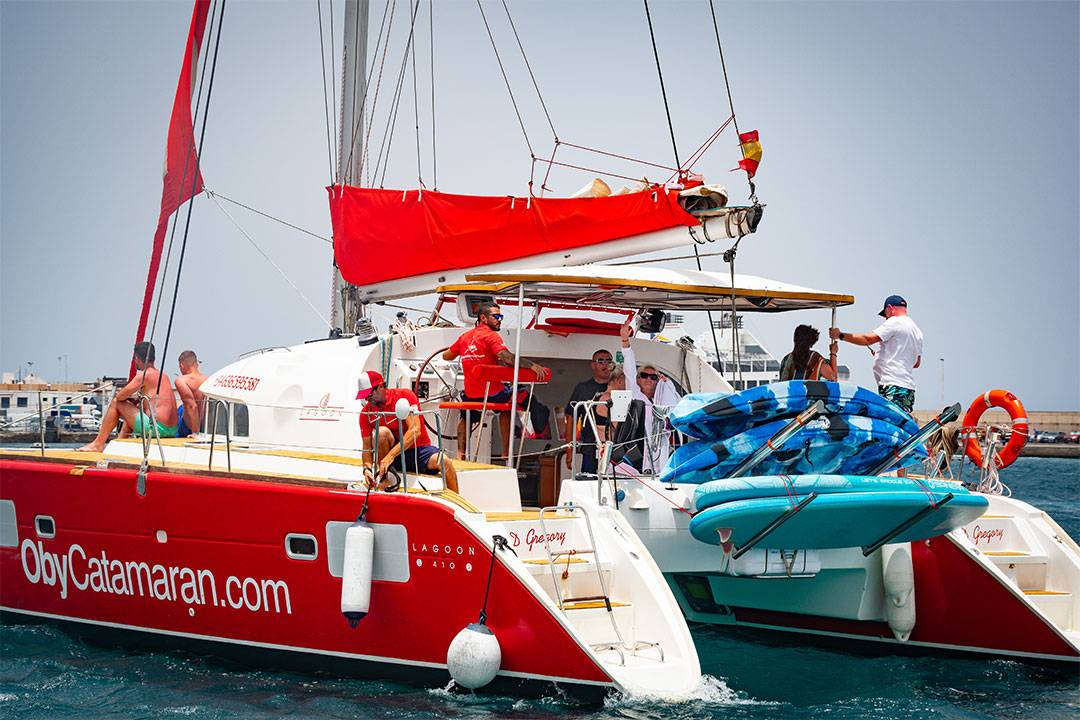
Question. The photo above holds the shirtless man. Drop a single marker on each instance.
(191, 398)
(125, 403)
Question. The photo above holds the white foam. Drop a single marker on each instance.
(711, 691)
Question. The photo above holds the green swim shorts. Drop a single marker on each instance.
(142, 424)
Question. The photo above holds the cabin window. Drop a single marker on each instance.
(772, 366)
(240, 420)
(217, 418)
(301, 547)
(21, 402)
(5, 402)
(45, 526)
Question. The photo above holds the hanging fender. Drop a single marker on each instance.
(1009, 403)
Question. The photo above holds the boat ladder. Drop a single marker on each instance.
(621, 646)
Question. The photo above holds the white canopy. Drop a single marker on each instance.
(645, 286)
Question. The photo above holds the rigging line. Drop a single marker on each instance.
(389, 10)
(723, 65)
(388, 136)
(735, 349)
(355, 60)
(731, 103)
(704, 147)
(269, 260)
(664, 259)
(553, 161)
(214, 193)
(547, 173)
(326, 99)
(191, 205)
(675, 150)
(506, 80)
(663, 91)
(416, 110)
(182, 184)
(333, 86)
(528, 66)
(586, 148)
(431, 39)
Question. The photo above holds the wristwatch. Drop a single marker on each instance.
(842, 335)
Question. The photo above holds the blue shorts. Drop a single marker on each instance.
(182, 430)
(417, 459)
(503, 396)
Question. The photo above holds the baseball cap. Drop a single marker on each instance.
(368, 381)
(895, 301)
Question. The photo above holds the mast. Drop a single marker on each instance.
(344, 300)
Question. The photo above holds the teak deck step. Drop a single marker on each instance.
(545, 561)
(592, 605)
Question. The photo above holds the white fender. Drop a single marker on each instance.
(474, 656)
(356, 572)
(898, 581)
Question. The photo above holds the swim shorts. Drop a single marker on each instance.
(142, 425)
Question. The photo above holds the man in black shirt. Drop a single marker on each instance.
(602, 364)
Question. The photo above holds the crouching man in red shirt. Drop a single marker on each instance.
(484, 346)
(420, 455)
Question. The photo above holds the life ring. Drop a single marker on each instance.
(1009, 403)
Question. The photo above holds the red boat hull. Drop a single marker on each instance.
(202, 559)
(962, 609)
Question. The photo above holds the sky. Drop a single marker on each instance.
(926, 149)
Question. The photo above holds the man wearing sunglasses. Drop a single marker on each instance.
(483, 345)
(659, 395)
(601, 365)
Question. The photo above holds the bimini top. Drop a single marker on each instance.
(642, 286)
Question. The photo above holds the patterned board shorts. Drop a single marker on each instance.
(902, 396)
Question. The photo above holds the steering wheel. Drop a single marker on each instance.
(445, 393)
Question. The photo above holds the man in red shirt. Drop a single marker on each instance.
(420, 455)
(484, 346)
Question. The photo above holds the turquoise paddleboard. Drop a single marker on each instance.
(835, 520)
(718, 492)
(715, 416)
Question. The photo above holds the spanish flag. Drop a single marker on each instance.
(751, 152)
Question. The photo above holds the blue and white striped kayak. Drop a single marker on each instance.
(721, 415)
(837, 444)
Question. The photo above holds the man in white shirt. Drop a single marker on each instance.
(901, 351)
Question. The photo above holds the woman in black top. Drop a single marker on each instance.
(803, 363)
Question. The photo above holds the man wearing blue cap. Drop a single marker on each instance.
(901, 351)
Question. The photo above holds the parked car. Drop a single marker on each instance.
(1073, 437)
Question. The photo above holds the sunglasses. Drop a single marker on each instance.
(604, 361)
(649, 376)
(497, 316)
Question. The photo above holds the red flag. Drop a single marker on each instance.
(182, 179)
(751, 150)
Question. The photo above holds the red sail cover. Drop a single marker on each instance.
(382, 235)
(182, 179)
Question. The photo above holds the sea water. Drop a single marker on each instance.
(44, 673)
